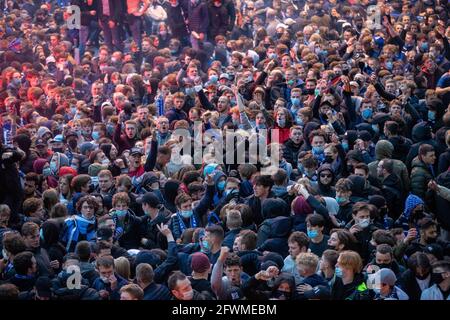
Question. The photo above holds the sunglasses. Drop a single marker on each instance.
(325, 175)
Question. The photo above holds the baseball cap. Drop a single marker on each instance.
(71, 133)
(224, 76)
(43, 287)
(40, 142)
(57, 138)
(435, 249)
(386, 276)
(135, 151)
(149, 198)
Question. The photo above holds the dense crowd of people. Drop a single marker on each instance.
(101, 198)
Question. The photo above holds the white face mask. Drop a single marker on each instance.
(188, 295)
(364, 223)
(104, 279)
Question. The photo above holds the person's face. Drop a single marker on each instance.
(360, 172)
(294, 249)
(318, 141)
(34, 265)
(105, 272)
(390, 87)
(362, 215)
(286, 61)
(163, 125)
(121, 206)
(127, 296)
(182, 290)
(396, 109)
(32, 240)
(222, 104)
(233, 274)
(130, 131)
(422, 272)
(325, 177)
(178, 103)
(296, 136)
(29, 187)
(105, 183)
(260, 190)
(143, 114)
(333, 241)
(64, 186)
(103, 55)
(87, 210)
(346, 271)
(430, 234)
(429, 158)
(383, 258)
(135, 160)
(310, 85)
(237, 244)
(96, 90)
(186, 206)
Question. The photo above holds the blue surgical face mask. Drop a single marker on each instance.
(424, 46)
(341, 200)
(295, 101)
(366, 113)
(213, 78)
(431, 115)
(121, 213)
(317, 150)
(186, 213)
(221, 185)
(338, 272)
(205, 246)
(345, 145)
(299, 121)
(95, 135)
(281, 122)
(389, 65)
(313, 234)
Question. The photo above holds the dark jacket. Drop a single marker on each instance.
(113, 294)
(401, 147)
(116, 9)
(218, 20)
(23, 283)
(290, 152)
(408, 283)
(130, 236)
(442, 205)
(250, 262)
(122, 141)
(444, 161)
(156, 291)
(198, 17)
(149, 230)
(229, 238)
(175, 19)
(11, 192)
(393, 193)
(421, 174)
(273, 235)
(356, 290)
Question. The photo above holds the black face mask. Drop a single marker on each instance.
(328, 159)
(308, 91)
(281, 295)
(350, 168)
(60, 150)
(422, 277)
(430, 240)
(437, 277)
(73, 144)
(385, 265)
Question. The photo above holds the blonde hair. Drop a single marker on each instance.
(307, 259)
(122, 267)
